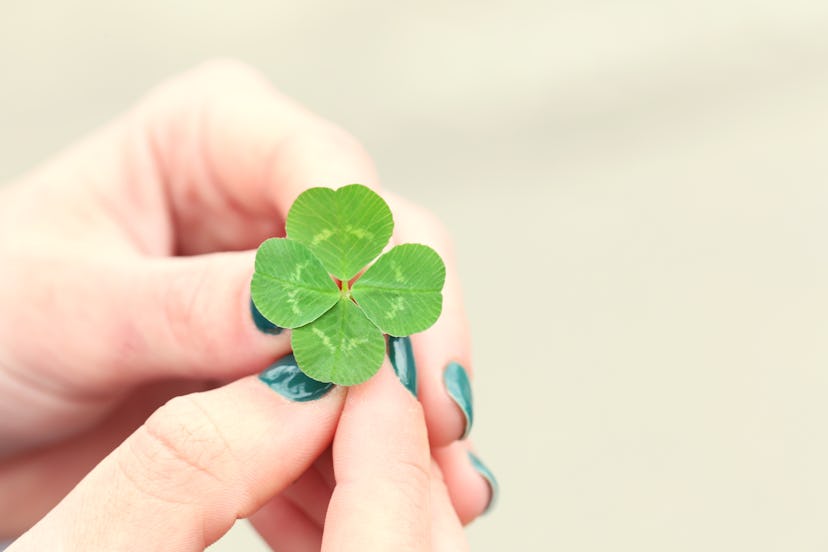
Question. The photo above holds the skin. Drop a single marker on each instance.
(127, 261)
(189, 478)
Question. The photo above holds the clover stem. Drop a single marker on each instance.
(345, 287)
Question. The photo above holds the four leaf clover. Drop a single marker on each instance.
(308, 282)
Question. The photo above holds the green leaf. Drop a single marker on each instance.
(290, 286)
(342, 346)
(401, 292)
(345, 228)
(338, 333)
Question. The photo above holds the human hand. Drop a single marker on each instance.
(125, 282)
(203, 460)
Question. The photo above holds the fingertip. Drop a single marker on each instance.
(232, 337)
(446, 393)
(401, 356)
(491, 480)
(445, 421)
(458, 387)
(381, 419)
(262, 323)
(471, 492)
(191, 317)
(385, 379)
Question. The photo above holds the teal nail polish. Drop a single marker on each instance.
(489, 477)
(263, 323)
(285, 377)
(459, 389)
(402, 359)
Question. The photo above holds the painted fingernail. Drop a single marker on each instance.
(402, 359)
(285, 377)
(489, 477)
(459, 389)
(263, 323)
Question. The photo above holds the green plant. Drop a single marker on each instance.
(310, 282)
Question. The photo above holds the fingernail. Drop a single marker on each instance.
(402, 359)
(489, 477)
(457, 384)
(263, 323)
(285, 377)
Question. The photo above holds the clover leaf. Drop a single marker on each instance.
(346, 228)
(306, 282)
(290, 284)
(401, 292)
(341, 346)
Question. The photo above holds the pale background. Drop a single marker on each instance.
(639, 194)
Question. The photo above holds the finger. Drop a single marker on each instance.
(325, 466)
(212, 161)
(442, 353)
(471, 493)
(198, 464)
(382, 464)
(311, 494)
(470, 484)
(294, 520)
(232, 154)
(446, 530)
(152, 318)
(65, 463)
(193, 318)
(230, 148)
(284, 526)
(471, 487)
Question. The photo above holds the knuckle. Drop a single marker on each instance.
(176, 450)
(411, 479)
(413, 472)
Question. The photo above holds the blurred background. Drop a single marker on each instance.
(639, 194)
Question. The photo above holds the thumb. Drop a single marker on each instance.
(191, 317)
(184, 477)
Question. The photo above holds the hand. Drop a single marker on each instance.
(206, 459)
(125, 282)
